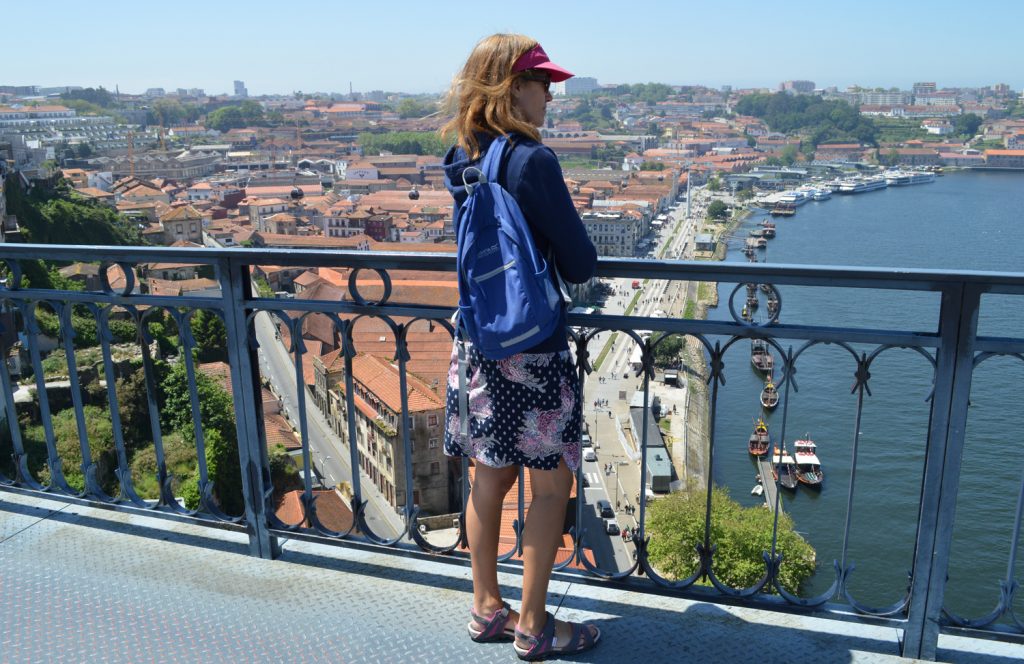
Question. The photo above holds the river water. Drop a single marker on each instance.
(969, 221)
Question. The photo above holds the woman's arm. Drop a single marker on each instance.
(544, 199)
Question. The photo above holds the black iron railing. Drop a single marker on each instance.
(387, 461)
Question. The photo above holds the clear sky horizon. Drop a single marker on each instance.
(417, 47)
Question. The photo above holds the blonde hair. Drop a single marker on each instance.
(480, 99)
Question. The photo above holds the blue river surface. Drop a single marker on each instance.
(962, 221)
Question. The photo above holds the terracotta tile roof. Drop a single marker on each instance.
(183, 213)
(331, 510)
(381, 378)
(280, 432)
(307, 278)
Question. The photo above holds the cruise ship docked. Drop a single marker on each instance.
(860, 185)
(796, 196)
(900, 178)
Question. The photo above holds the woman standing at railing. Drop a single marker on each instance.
(523, 410)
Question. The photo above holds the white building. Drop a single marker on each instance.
(579, 85)
(613, 233)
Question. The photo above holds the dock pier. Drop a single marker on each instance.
(764, 469)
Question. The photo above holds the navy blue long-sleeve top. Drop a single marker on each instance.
(530, 172)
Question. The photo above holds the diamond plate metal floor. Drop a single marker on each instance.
(80, 584)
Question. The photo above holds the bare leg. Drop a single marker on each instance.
(483, 522)
(542, 536)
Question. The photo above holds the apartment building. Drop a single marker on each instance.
(380, 428)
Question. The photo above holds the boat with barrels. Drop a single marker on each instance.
(760, 442)
(760, 357)
(769, 395)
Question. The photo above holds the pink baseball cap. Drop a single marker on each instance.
(536, 58)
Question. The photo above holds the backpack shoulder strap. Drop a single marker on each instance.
(492, 160)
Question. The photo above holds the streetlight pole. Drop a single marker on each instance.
(616, 468)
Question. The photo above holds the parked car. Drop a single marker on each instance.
(604, 509)
(611, 527)
(584, 482)
(589, 455)
(585, 440)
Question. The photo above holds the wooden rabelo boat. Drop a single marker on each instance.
(760, 357)
(760, 442)
(769, 395)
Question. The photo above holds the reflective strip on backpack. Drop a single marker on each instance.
(522, 337)
(496, 271)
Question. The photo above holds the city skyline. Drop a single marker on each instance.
(752, 45)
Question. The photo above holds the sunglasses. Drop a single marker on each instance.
(543, 79)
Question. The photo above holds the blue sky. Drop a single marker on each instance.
(278, 47)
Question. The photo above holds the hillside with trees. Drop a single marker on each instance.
(818, 120)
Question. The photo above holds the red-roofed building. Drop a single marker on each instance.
(1004, 158)
(379, 429)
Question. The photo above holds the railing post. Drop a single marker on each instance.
(958, 327)
(236, 290)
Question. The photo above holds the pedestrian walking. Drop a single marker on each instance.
(503, 90)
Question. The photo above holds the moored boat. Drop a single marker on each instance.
(760, 357)
(760, 441)
(769, 395)
(795, 196)
(784, 469)
(808, 466)
(861, 184)
(782, 209)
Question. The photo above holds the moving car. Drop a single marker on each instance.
(604, 509)
(589, 455)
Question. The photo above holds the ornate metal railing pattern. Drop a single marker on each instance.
(953, 349)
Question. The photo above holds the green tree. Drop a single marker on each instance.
(217, 416)
(403, 142)
(652, 166)
(740, 534)
(890, 158)
(133, 408)
(284, 475)
(228, 117)
(210, 335)
(967, 124)
(714, 184)
(100, 434)
(410, 107)
(99, 96)
(788, 155)
(819, 119)
(667, 350)
(718, 210)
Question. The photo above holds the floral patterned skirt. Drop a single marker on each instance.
(524, 410)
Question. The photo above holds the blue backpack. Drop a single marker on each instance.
(507, 300)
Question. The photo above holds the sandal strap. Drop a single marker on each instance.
(495, 624)
(543, 642)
